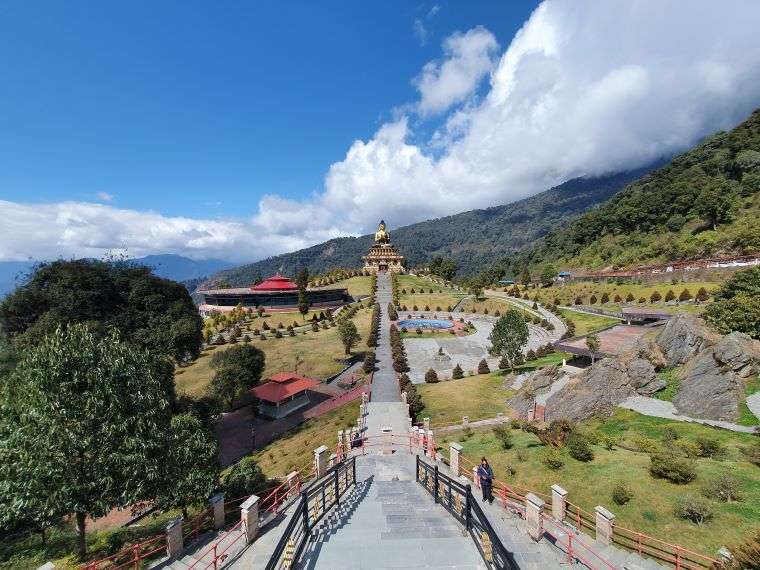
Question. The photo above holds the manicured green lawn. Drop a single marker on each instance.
(441, 296)
(479, 397)
(358, 285)
(586, 322)
(295, 449)
(493, 304)
(671, 376)
(317, 354)
(651, 509)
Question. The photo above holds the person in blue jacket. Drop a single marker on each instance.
(485, 474)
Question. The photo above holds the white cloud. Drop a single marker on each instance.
(420, 31)
(467, 59)
(586, 87)
(104, 196)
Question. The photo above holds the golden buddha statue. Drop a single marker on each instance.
(382, 236)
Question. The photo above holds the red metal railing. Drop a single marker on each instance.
(675, 554)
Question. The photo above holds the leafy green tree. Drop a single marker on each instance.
(443, 267)
(348, 335)
(191, 468)
(83, 428)
(592, 343)
(509, 335)
(715, 203)
(246, 362)
(548, 273)
(303, 304)
(244, 478)
(149, 311)
(225, 387)
(302, 278)
(736, 305)
(525, 277)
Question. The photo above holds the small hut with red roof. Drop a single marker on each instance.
(277, 293)
(285, 393)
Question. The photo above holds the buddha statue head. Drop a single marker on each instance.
(382, 236)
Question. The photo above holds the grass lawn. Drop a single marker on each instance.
(442, 296)
(494, 304)
(358, 285)
(672, 377)
(479, 397)
(584, 289)
(320, 355)
(295, 449)
(555, 358)
(586, 322)
(651, 509)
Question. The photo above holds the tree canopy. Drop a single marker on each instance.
(509, 335)
(149, 311)
(737, 304)
(236, 369)
(84, 426)
(348, 335)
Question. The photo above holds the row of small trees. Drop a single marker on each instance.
(398, 352)
(654, 297)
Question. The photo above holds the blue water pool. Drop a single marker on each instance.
(425, 324)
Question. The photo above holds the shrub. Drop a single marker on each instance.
(521, 455)
(369, 362)
(515, 423)
(752, 453)
(629, 298)
(673, 468)
(693, 508)
(702, 295)
(709, 447)
(418, 330)
(685, 296)
(592, 300)
(265, 326)
(579, 448)
(747, 553)
(608, 442)
(578, 301)
(457, 373)
(483, 367)
(503, 363)
(431, 377)
(688, 447)
(723, 488)
(642, 300)
(670, 434)
(531, 355)
(277, 334)
(618, 299)
(552, 458)
(605, 298)
(669, 296)
(655, 296)
(621, 493)
(504, 435)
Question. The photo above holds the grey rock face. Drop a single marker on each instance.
(683, 337)
(643, 377)
(711, 384)
(594, 392)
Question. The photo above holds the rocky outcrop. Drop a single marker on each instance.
(594, 392)
(536, 384)
(684, 336)
(643, 376)
(711, 384)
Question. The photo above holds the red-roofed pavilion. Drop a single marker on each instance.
(285, 393)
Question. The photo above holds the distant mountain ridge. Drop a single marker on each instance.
(168, 266)
(474, 238)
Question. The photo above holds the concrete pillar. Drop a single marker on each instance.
(426, 424)
(415, 437)
(365, 398)
(387, 437)
(430, 444)
(534, 510)
(321, 456)
(559, 502)
(409, 422)
(475, 478)
(174, 543)
(605, 522)
(294, 484)
(465, 421)
(332, 461)
(216, 503)
(249, 518)
(403, 397)
(564, 362)
(454, 451)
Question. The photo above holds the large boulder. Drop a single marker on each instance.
(712, 385)
(594, 392)
(643, 376)
(683, 337)
(536, 384)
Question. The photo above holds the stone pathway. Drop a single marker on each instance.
(662, 409)
(753, 403)
(390, 521)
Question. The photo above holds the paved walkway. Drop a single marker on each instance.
(663, 409)
(384, 383)
(753, 403)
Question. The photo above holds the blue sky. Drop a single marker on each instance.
(239, 130)
(198, 108)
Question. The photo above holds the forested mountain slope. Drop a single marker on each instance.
(474, 239)
(706, 202)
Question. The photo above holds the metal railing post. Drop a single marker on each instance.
(337, 489)
(353, 467)
(305, 501)
(467, 508)
(435, 484)
(417, 469)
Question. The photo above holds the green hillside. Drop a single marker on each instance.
(474, 239)
(706, 202)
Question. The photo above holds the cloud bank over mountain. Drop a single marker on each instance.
(584, 88)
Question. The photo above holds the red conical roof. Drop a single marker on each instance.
(276, 283)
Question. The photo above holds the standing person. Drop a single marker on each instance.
(485, 474)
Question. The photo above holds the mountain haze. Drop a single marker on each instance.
(474, 238)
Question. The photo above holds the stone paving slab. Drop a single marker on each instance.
(663, 409)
